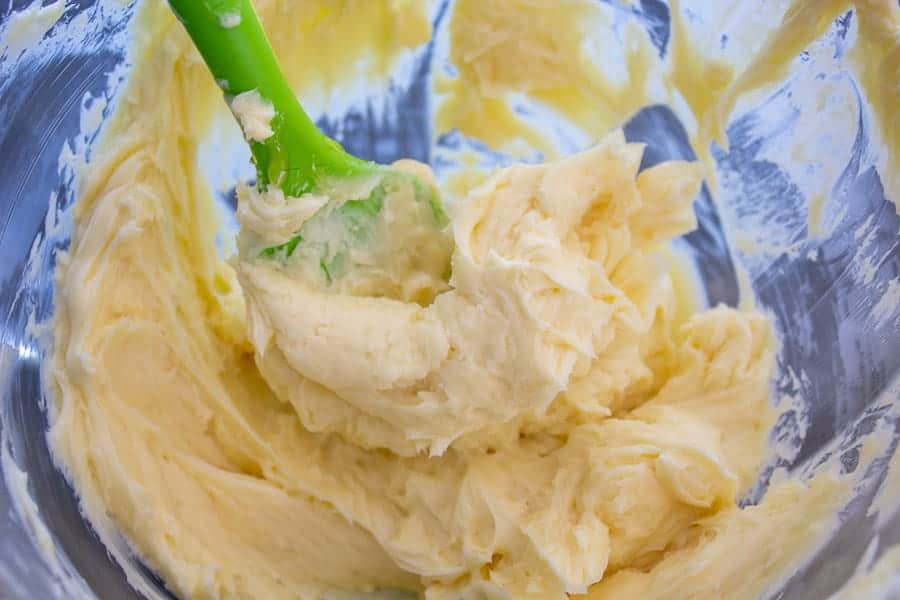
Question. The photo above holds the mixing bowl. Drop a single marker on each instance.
(800, 220)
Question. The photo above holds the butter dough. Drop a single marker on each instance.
(547, 424)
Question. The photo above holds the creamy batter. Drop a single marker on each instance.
(554, 420)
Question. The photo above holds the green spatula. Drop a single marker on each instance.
(299, 159)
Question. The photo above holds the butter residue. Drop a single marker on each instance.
(803, 22)
(875, 57)
(553, 52)
(255, 114)
(230, 20)
(27, 27)
(364, 41)
(500, 51)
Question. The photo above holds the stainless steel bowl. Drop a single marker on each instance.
(820, 266)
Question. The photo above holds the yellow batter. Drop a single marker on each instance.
(549, 425)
